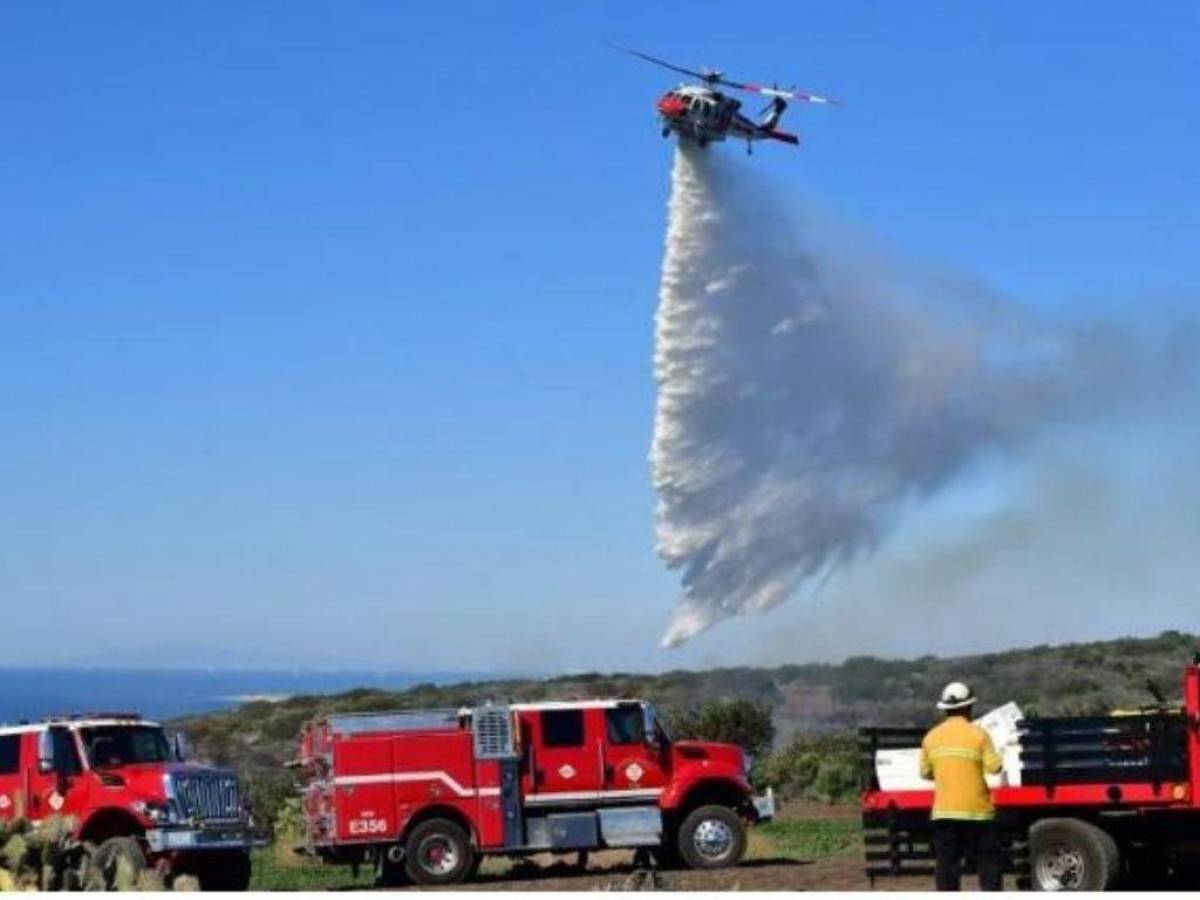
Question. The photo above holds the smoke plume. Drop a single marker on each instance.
(808, 392)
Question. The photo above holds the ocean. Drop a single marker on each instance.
(30, 694)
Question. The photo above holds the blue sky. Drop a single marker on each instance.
(325, 328)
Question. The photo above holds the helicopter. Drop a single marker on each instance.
(702, 114)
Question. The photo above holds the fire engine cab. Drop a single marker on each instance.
(427, 793)
(125, 786)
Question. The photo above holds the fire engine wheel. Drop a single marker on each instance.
(1072, 855)
(438, 852)
(119, 859)
(712, 837)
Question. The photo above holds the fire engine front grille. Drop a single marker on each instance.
(208, 796)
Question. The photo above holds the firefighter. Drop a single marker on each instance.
(956, 754)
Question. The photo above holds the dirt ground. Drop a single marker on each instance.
(764, 869)
(763, 874)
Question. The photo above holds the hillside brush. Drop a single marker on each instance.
(46, 856)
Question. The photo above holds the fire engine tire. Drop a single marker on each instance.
(226, 870)
(712, 837)
(438, 851)
(111, 853)
(1072, 855)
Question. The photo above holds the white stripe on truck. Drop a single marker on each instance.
(530, 799)
(406, 777)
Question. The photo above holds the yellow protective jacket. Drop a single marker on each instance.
(956, 754)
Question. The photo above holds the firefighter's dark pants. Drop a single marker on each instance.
(953, 839)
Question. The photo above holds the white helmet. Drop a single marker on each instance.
(956, 695)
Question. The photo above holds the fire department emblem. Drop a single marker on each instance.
(634, 772)
(56, 801)
(566, 770)
(5, 803)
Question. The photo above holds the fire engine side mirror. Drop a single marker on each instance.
(181, 747)
(45, 752)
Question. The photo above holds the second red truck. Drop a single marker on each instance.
(1100, 798)
(428, 793)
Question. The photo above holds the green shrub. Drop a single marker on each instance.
(285, 726)
(740, 722)
(50, 858)
(813, 767)
(270, 792)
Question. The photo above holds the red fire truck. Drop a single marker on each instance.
(427, 793)
(1100, 798)
(125, 785)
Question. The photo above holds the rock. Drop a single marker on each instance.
(185, 883)
(150, 880)
(124, 875)
(639, 880)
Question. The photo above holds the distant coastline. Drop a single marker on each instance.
(28, 694)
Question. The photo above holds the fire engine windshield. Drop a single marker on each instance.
(655, 726)
(122, 745)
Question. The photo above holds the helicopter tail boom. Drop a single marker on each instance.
(783, 136)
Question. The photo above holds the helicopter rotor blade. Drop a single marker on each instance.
(786, 95)
(714, 77)
(706, 76)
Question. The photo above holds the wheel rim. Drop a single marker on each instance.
(1061, 868)
(438, 855)
(712, 839)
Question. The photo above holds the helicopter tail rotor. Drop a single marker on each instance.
(772, 112)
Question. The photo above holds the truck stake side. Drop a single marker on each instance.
(1100, 797)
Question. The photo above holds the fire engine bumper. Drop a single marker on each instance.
(764, 805)
(235, 837)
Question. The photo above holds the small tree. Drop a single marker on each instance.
(820, 767)
(740, 722)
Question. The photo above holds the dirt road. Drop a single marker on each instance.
(830, 874)
(771, 865)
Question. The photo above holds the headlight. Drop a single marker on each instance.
(157, 812)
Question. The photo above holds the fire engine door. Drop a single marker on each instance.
(565, 762)
(58, 791)
(633, 764)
